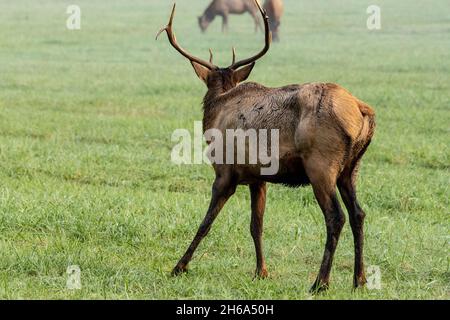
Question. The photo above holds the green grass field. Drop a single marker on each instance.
(86, 119)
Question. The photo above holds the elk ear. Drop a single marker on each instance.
(201, 71)
(243, 73)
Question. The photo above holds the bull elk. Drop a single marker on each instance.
(324, 132)
(224, 8)
(274, 9)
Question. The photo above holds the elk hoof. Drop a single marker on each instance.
(359, 282)
(261, 274)
(178, 270)
(318, 287)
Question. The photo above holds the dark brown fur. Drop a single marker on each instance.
(224, 8)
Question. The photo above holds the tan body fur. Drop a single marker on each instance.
(318, 123)
(224, 8)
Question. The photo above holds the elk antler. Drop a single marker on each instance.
(173, 42)
(234, 55)
(268, 37)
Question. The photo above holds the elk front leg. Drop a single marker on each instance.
(223, 188)
(346, 185)
(258, 198)
(257, 21)
(224, 22)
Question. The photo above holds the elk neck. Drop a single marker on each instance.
(210, 13)
(218, 85)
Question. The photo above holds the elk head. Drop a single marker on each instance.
(204, 22)
(213, 76)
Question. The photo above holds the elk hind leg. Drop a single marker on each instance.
(347, 189)
(323, 177)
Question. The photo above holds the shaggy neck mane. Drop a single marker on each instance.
(210, 101)
(216, 94)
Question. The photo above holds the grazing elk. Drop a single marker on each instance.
(224, 8)
(324, 132)
(274, 9)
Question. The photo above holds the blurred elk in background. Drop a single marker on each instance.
(324, 132)
(224, 8)
(274, 9)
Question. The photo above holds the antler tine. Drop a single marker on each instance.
(210, 55)
(268, 40)
(234, 55)
(173, 41)
(168, 28)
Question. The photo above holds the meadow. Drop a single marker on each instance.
(86, 118)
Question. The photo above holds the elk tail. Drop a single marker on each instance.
(369, 125)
